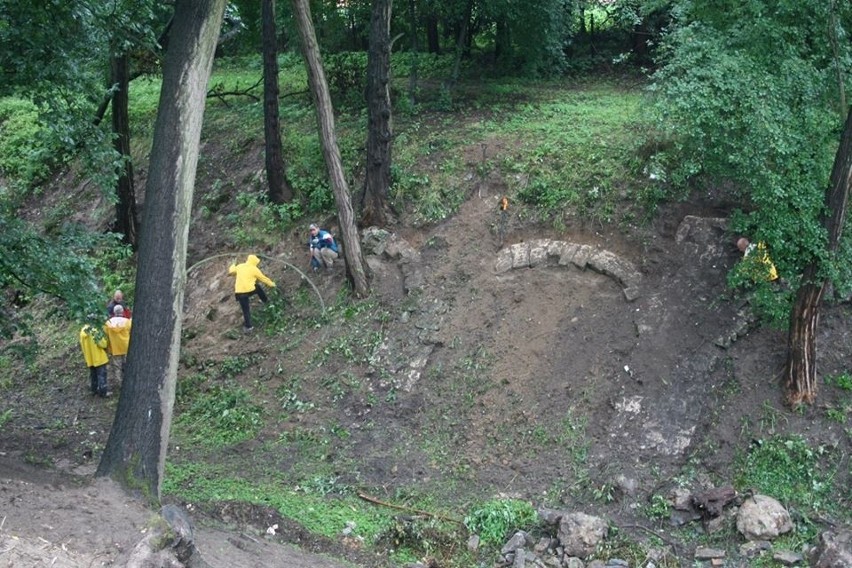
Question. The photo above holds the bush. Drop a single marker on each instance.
(495, 520)
(24, 156)
(346, 73)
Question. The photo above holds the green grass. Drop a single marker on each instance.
(304, 502)
(791, 471)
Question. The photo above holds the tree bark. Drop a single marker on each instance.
(375, 200)
(126, 212)
(280, 190)
(461, 41)
(415, 52)
(135, 452)
(800, 371)
(433, 37)
(355, 264)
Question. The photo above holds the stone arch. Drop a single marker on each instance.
(547, 252)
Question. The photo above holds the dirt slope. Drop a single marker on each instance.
(551, 352)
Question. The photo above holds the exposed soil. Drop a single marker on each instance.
(549, 350)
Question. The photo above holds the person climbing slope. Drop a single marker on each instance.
(247, 274)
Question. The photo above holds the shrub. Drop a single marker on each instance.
(494, 520)
(24, 156)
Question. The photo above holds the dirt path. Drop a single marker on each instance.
(60, 520)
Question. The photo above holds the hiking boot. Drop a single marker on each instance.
(248, 329)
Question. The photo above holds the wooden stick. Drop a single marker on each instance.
(366, 497)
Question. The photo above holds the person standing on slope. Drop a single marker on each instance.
(93, 344)
(117, 329)
(246, 284)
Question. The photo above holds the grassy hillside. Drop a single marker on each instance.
(302, 420)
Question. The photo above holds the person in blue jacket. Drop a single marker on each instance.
(322, 247)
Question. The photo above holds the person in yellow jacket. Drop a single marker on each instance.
(93, 343)
(248, 274)
(117, 329)
(763, 267)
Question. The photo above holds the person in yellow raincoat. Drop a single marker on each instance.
(763, 267)
(93, 343)
(248, 274)
(117, 329)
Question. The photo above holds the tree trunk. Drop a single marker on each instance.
(135, 452)
(502, 40)
(461, 41)
(433, 41)
(355, 264)
(280, 190)
(375, 201)
(126, 213)
(800, 372)
(415, 51)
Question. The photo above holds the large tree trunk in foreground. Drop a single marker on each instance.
(279, 188)
(355, 263)
(135, 453)
(800, 372)
(126, 213)
(375, 200)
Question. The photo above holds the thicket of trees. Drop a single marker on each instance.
(749, 93)
(754, 93)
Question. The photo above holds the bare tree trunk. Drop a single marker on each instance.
(835, 50)
(135, 453)
(415, 52)
(375, 200)
(355, 263)
(126, 212)
(433, 41)
(800, 372)
(280, 190)
(461, 41)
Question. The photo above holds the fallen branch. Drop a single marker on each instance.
(366, 497)
(219, 92)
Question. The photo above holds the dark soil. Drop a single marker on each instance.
(525, 370)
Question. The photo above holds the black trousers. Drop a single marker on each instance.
(243, 299)
(98, 380)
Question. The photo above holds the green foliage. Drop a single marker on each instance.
(658, 508)
(770, 300)
(621, 546)
(788, 469)
(5, 417)
(843, 410)
(202, 483)
(221, 415)
(414, 537)
(260, 221)
(57, 266)
(742, 91)
(496, 519)
(842, 381)
(114, 265)
(573, 158)
(25, 154)
(346, 73)
(429, 65)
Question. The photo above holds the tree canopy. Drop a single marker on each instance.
(749, 94)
